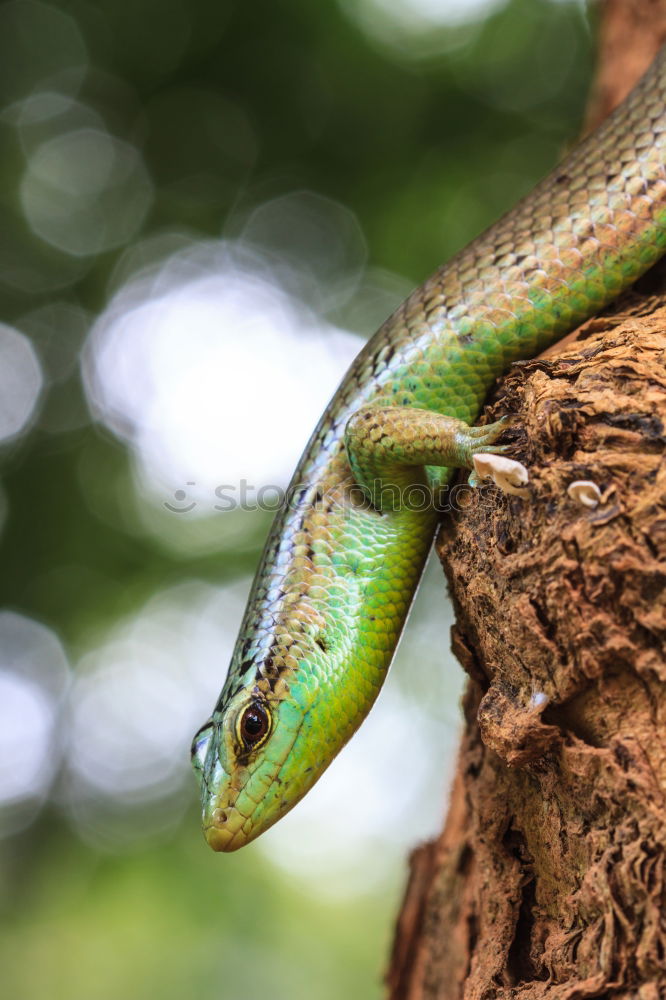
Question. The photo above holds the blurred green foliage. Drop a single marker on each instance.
(167, 921)
(426, 136)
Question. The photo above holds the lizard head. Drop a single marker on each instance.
(267, 742)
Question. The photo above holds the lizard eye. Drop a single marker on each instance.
(253, 725)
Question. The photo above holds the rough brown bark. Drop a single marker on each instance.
(549, 876)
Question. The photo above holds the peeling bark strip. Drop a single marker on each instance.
(548, 880)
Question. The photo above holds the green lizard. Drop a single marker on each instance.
(343, 559)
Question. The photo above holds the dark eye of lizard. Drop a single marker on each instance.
(254, 724)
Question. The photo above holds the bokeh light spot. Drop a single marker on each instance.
(26, 719)
(34, 675)
(213, 372)
(419, 15)
(315, 245)
(85, 192)
(20, 382)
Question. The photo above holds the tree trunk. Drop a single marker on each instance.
(549, 877)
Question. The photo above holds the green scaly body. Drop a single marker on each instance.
(339, 572)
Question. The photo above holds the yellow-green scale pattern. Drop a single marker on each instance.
(338, 575)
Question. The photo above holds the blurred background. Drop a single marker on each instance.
(206, 206)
